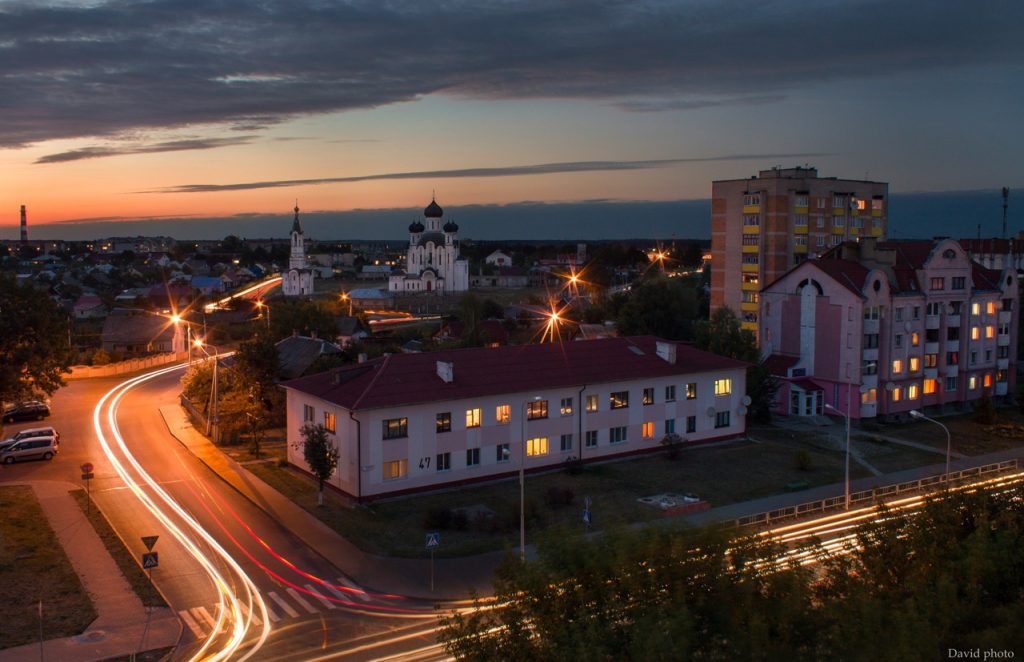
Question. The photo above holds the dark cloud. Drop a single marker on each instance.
(167, 146)
(502, 171)
(102, 68)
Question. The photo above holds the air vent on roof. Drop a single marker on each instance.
(636, 350)
(446, 371)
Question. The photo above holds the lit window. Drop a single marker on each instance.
(537, 446)
(648, 396)
(566, 407)
(938, 283)
(535, 409)
(990, 308)
(931, 360)
(975, 308)
(691, 391)
(444, 422)
(930, 386)
(617, 435)
(915, 339)
(723, 386)
(972, 382)
(308, 413)
(395, 469)
(869, 397)
(396, 428)
(975, 332)
(647, 430)
(472, 418)
(619, 399)
(502, 414)
(897, 394)
(329, 423)
(915, 364)
(912, 392)
(591, 405)
(897, 366)
(990, 331)
(670, 393)
(987, 380)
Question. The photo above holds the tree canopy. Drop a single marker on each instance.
(320, 454)
(660, 306)
(34, 347)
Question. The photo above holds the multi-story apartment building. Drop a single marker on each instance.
(888, 327)
(761, 227)
(409, 422)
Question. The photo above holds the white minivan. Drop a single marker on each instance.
(37, 448)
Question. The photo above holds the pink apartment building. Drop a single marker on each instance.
(890, 326)
(412, 422)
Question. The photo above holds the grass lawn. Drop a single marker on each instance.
(30, 552)
(131, 570)
(968, 437)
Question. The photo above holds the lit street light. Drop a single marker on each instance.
(214, 419)
(522, 480)
(949, 441)
(260, 306)
(846, 481)
(346, 297)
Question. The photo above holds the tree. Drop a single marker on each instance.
(659, 306)
(34, 347)
(723, 335)
(320, 455)
(304, 317)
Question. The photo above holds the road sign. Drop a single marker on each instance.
(149, 541)
(150, 560)
(586, 515)
(433, 540)
(87, 476)
(86, 467)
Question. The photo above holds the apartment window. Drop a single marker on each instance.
(954, 307)
(915, 364)
(473, 418)
(691, 424)
(987, 380)
(819, 241)
(591, 404)
(723, 386)
(870, 341)
(1007, 304)
(931, 335)
(916, 312)
(929, 386)
(871, 312)
(898, 314)
(565, 443)
(444, 422)
(751, 240)
(395, 469)
(444, 461)
(819, 221)
(752, 199)
(898, 340)
(800, 201)
(618, 399)
(670, 393)
(951, 383)
(617, 435)
(537, 446)
(988, 355)
(1000, 376)
(938, 283)
(974, 358)
(990, 308)
(502, 453)
(972, 382)
(472, 457)
(1003, 351)
(749, 297)
(647, 430)
(838, 221)
(934, 308)
(952, 358)
(749, 279)
(897, 366)
(975, 332)
(502, 414)
(751, 220)
(990, 331)
(329, 423)
(536, 409)
(869, 368)
(308, 414)
(750, 258)
(952, 333)
(1004, 329)
(396, 428)
(670, 425)
(648, 396)
(800, 220)
(876, 204)
(915, 339)
(912, 392)
(975, 308)
(897, 394)
(958, 282)
(565, 409)
(722, 419)
(931, 360)
(869, 397)
(591, 438)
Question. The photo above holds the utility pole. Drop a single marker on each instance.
(1006, 195)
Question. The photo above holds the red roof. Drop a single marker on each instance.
(778, 364)
(847, 273)
(406, 379)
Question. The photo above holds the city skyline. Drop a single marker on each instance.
(116, 111)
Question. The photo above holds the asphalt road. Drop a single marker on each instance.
(314, 610)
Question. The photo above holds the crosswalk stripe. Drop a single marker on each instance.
(205, 615)
(191, 623)
(358, 592)
(256, 620)
(284, 605)
(302, 601)
(343, 596)
(316, 594)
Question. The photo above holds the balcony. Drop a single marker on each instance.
(952, 345)
(854, 230)
(876, 232)
(751, 229)
(751, 326)
(1005, 316)
(838, 229)
(952, 320)
(750, 287)
(877, 213)
(869, 410)
(750, 249)
(800, 209)
(751, 209)
(1001, 388)
(870, 354)
(931, 373)
(1003, 339)
(800, 248)
(870, 326)
(932, 321)
(749, 268)
(952, 370)
(748, 307)
(1003, 364)
(931, 348)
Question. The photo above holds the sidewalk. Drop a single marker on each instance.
(119, 628)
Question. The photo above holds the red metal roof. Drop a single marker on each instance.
(847, 273)
(779, 364)
(406, 379)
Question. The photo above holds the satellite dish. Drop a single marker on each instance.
(711, 412)
(889, 386)
(746, 400)
(742, 411)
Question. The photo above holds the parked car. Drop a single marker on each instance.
(29, 433)
(39, 448)
(26, 411)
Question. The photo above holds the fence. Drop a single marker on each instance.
(124, 367)
(874, 495)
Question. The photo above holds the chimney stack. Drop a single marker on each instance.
(24, 226)
(446, 371)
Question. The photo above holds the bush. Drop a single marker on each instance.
(558, 497)
(100, 357)
(672, 443)
(438, 518)
(984, 410)
(459, 519)
(802, 460)
(573, 465)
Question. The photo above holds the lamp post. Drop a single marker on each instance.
(346, 297)
(949, 441)
(846, 480)
(260, 305)
(176, 319)
(213, 423)
(522, 480)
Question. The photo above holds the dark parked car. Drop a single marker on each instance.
(26, 411)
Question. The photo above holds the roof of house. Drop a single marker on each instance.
(778, 364)
(493, 329)
(369, 293)
(407, 379)
(297, 353)
(134, 326)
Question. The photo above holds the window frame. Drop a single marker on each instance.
(395, 428)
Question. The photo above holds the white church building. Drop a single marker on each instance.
(297, 281)
(432, 263)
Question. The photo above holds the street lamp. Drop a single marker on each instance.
(346, 297)
(522, 480)
(214, 419)
(949, 441)
(260, 306)
(176, 319)
(846, 481)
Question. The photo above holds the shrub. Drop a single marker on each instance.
(984, 410)
(437, 518)
(672, 443)
(459, 519)
(558, 497)
(802, 460)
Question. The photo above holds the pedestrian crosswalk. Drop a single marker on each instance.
(292, 602)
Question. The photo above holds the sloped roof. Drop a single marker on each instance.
(134, 326)
(407, 379)
(848, 273)
(778, 364)
(297, 353)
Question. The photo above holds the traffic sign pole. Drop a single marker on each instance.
(86, 475)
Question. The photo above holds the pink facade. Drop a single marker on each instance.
(894, 325)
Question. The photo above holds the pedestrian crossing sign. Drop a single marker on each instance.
(150, 560)
(433, 540)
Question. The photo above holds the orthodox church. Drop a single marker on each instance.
(298, 280)
(432, 263)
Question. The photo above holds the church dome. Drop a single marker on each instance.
(416, 226)
(433, 210)
(450, 226)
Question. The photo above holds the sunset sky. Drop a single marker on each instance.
(149, 110)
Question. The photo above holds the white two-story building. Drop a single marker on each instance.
(412, 422)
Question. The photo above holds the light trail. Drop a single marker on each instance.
(229, 606)
(264, 284)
